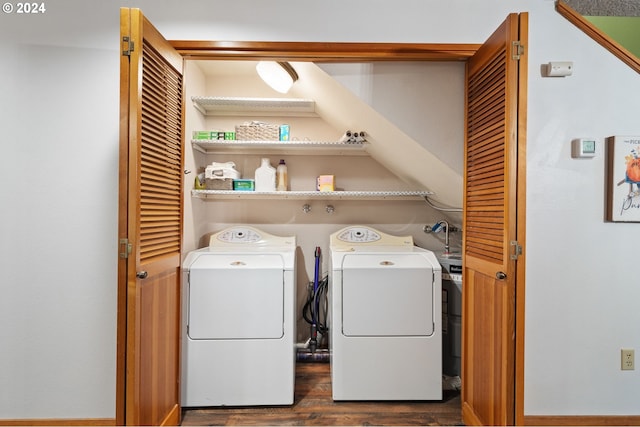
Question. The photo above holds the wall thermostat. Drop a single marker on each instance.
(583, 148)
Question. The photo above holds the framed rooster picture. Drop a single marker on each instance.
(623, 178)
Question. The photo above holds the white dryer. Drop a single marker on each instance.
(385, 300)
(238, 320)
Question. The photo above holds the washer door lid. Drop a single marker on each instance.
(387, 295)
(236, 297)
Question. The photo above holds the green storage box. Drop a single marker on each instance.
(244, 185)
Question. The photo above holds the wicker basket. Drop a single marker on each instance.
(219, 184)
(257, 131)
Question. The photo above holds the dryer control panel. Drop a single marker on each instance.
(362, 236)
(239, 235)
(358, 235)
(247, 238)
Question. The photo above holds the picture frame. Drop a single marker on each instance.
(623, 178)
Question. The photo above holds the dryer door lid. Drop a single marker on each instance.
(387, 295)
(236, 297)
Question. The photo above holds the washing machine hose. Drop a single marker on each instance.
(309, 306)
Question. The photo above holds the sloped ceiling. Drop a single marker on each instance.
(606, 7)
(387, 144)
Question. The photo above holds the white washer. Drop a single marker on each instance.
(238, 320)
(386, 333)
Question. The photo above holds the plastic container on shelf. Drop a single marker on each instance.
(281, 176)
(244, 185)
(265, 177)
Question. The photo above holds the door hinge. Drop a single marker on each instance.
(517, 50)
(127, 46)
(125, 248)
(516, 249)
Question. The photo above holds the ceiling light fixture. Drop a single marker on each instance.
(279, 75)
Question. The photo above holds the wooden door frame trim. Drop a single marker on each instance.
(323, 52)
(581, 420)
(123, 184)
(521, 219)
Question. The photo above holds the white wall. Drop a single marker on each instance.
(59, 126)
(582, 296)
(59, 133)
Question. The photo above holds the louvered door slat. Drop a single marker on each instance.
(492, 153)
(487, 188)
(473, 230)
(156, 241)
(155, 166)
(164, 179)
(162, 116)
(159, 157)
(489, 74)
(156, 76)
(166, 205)
(485, 164)
(150, 251)
(490, 100)
(485, 135)
(159, 80)
(162, 134)
(493, 175)
(168, 105)
(152, 227)
(158, 228)
(161, 138)
(158, 193)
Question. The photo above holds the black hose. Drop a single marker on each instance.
(309, 306)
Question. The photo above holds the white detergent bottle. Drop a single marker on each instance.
(281, 176)
(265, 177)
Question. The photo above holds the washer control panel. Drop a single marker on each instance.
(359, 235)
(362, 237)
(239, 235)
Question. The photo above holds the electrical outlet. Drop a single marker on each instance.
(627, 356)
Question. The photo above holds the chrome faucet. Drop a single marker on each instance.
(443, 224)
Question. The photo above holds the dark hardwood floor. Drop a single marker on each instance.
(314, 407)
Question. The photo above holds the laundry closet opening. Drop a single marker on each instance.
(412, 115)
(203, 213)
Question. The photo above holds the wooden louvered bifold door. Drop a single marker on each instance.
(151, 162)
(489, 222)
